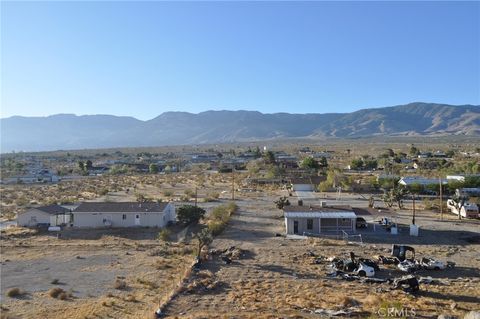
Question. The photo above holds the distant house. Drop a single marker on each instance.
(306, 183)
(51, 215)
(123, 214)
(411, 180)
(315, 220)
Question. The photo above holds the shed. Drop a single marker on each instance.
(315, 220)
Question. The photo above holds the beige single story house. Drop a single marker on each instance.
(316, 220)
(123, 214)
(51, 215)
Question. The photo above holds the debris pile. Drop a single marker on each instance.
(402, 257)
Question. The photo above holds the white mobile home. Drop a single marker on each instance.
(123, 214)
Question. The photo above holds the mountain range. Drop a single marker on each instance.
(68, 131)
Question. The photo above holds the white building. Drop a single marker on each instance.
(51, 215)
(123, 214)
(412, 180)
(313, 220)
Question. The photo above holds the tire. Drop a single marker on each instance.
(362, 273)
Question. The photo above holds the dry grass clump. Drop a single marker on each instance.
(162, 264)
(164, 234)
(14, 292)
(203, 280)
(148, 283)
(131, 298)
(349, 302)
(372, 300)
(119, 284)
(59, 293)
(219, 218)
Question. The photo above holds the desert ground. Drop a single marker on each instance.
(127, 274)
(277, 277)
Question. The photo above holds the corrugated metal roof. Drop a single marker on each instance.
(318, 209)
(320, 215)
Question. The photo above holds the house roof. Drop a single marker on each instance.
(313, 209)
(120, 207)
(52, 209)
(321, 214)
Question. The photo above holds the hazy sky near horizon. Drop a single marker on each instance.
(144, 58)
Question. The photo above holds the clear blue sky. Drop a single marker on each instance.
(143, 58)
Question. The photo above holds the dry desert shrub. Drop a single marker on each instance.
(349, 302)
(14, 292)
(58, 293)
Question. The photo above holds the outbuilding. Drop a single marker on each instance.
(316, 220)
(51, 215)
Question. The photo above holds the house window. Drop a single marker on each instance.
(310, 224)
(124, 216)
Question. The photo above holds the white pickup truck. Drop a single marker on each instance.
(468, 210)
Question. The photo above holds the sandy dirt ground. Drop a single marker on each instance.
(277, 277)
(274, 277)
(86, 265)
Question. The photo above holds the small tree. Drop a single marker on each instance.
(309, 162)
(414, 151)
(88, 165)
(153, 168)
(204, 238)
(81, 165)
(269, 157)
(282, 202)
(189, 214)
(357, 164)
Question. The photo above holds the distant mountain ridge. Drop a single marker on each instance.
(68, 131)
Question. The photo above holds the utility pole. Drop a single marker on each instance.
(233, 183)
(441, 199)
(196, 195)
(413, 219)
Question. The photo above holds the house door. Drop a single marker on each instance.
(137, 220)
(295, 226)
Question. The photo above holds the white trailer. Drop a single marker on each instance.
(468, 210)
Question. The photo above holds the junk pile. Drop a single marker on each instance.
(403, 257)
(228, 255)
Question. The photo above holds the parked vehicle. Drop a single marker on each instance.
(361, 222)
(432, 264)
(468, 210)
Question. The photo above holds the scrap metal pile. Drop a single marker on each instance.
(403, 257)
